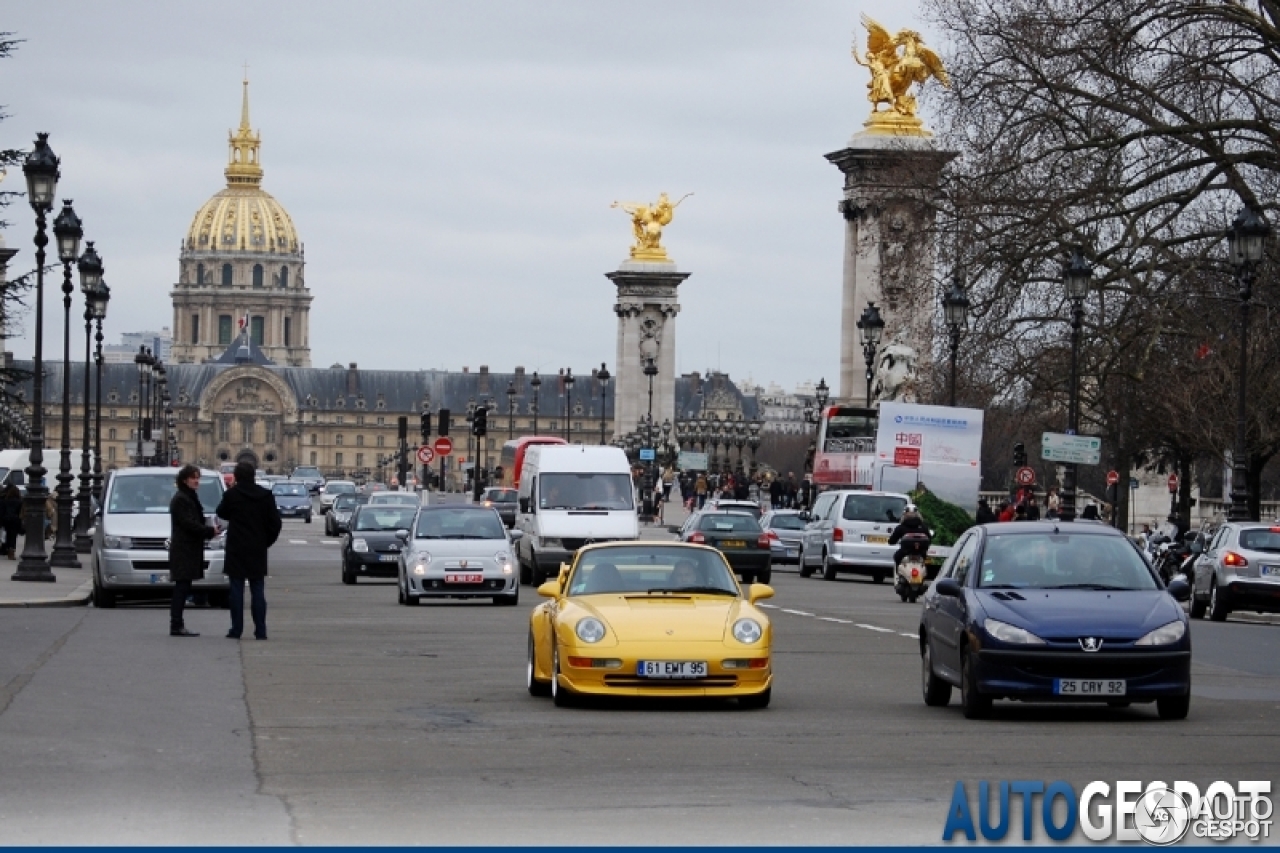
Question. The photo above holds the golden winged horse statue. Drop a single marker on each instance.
(896, 62)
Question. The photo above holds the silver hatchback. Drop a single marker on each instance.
(848, 531)
(458, 552)
(1239, 570)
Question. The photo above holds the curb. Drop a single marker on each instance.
(79, 597)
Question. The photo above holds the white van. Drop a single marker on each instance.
(570, 495)
(13, 467)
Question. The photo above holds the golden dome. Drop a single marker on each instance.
(243, 217)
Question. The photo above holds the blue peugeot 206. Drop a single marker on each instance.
(1054, 612)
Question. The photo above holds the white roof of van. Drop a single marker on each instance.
(580, 457)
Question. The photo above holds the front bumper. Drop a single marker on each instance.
(294, 511)
(370, 564)
(1252, 594)
(1028, 675)
(146, 569)
(436, 587)
(623, 681)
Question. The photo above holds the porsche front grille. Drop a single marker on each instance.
(636, 681)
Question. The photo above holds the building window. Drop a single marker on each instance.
(181, 436)
(359, 460)
(257, 275)
(226, 275)
(111, 453)
(224, 428)
(246, 431)
(195, 328)
(313, 439)
(284, 276)
(337, 459)
(224, 329)
(359, 441)
(381, 442)
(382, 421)
(337, 439)
(111, 434)
(112, 413)
(337, 419)
(199, 273)
(256, 329)
(313, 457)
(288, 329)
(270, 429)
(359, 420)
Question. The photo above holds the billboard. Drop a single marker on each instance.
(939, 446)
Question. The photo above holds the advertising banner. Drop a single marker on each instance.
(940, 445)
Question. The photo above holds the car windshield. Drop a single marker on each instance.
(394, 498)
(740, 506)
(501, 496)
(651, 570)
(340, 488)
(307, 472)
(873, 508)
(152, 492)
(585, 491)
(729, 522)
(384, 518)
(1063, 561)
(460, 523)
(1261, 540)
(293, 490)
(786, 522)
(344, 502)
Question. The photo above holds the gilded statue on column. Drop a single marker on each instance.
(896, 62)
(647, 222)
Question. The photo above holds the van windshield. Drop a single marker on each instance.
(585, 491)
(882, 508)
(151, 493)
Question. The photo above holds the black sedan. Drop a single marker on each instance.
(1054, 612)
(504, 501)
(739, 537)
(371, 549)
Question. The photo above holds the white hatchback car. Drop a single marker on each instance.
(130, 555)
(1238, 570)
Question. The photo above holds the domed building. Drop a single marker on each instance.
(241, 269)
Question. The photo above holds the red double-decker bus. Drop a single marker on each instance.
(846, 447)
(512, 457)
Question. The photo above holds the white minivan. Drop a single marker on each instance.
(571, 495)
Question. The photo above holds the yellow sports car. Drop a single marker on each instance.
(650, 619)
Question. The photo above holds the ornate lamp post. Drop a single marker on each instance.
(568, 402)
(98, 307)
(753, 441)
(90, 282)
(535, 384)
(955, 310)
(143, 360)
(159, 402)
(41, 171)
(1076, 276)
(511, 410)
(68, 231)
(822, 394)
(1246, 241)
(870, 328)
(603, 377)
(666, 442)
(740, 440)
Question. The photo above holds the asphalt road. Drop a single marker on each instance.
(363, 722)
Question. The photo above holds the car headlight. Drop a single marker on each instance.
(1006, 633)
(747, 631)
(359, 545)
(1164, 635)
(590, 630)
(122, 542)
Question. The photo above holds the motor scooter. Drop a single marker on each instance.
(910, 578)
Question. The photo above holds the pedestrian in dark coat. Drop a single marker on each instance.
(253, 525)
(985, 515)
(187, 535)
(11, 519)
(775, 493)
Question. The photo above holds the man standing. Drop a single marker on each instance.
(187, 535)
(254, 526)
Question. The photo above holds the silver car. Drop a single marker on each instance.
(848, 531)
(787, 528)
(1239, 570)
(395, 499)
(331, 490)
(130, 556)
(458, 552)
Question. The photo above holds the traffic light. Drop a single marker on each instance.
(444, 421)
(426, 426)
(480, 422)
(1019, 455)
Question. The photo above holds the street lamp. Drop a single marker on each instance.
(90, 281)
(98, 307)
(159, 401)
(511, 410)
(41, 171)
(650, 371)
(68, 231)
(753, 441)
(1076, 277)
(568, 401)
(955, 310)
(603, 377)
(144, 361)
(870, 328)
(1246, 240)
(535, 384)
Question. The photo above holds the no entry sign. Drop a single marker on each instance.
(443, 446)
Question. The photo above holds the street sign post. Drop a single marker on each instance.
(425, 454)
(1026, 476)
(1078, 449)
(443, 446)
(1113, 477)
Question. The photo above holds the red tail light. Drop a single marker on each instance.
(837, 534)
(771, 535)
(1231, 558)
(763, 541)
(697, 538)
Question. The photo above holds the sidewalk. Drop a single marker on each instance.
(71, 587)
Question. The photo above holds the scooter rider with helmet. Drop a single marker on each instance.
(919, 543)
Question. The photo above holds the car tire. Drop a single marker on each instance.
(937, 693)
(535, 687)
(559, 695)
(877, 577)
(399, 593)
(976, 705)
(348, 577)
(1198, 607)
(102, 598)
(1174, 707)
(308, 518)
(756, 701)
(828, 570)
(410, 600)
(537, 577)
(805, 569)
(764, 575)
(1217, 607)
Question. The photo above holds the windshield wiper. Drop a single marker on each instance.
(427, 536)
(1104, 586)
(710, 590)
(999, 586)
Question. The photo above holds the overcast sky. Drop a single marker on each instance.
(449, 166)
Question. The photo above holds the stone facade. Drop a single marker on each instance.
(646, 307)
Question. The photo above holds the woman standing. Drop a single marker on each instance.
(187, 535)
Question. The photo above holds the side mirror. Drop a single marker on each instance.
(402, 535)
(515, 535)
(805, 516)
(1179, 589)
(550, 589)
(948, 586)
(759, 592)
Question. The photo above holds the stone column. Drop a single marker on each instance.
(646, 309)
(890, 191)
